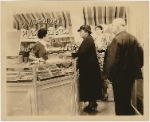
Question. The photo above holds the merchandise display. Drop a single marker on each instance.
(62, 45)
(43, 75)
(12, 76)
(19, 76)
(56, 46)
(57, 72)
(52, 70)
(55, 67)
(25, 76)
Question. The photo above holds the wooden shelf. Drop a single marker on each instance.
(62, 36)
(29, 40)
(55, 37)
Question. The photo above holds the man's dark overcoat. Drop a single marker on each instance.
(123, 62)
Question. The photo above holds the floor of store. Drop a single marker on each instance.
(104, 108)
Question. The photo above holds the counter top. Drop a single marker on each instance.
(15, 64)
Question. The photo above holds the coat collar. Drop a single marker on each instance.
(87, 36)
(120, 33)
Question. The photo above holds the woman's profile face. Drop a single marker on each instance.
(46, 38)
(98, 31)
(82, 33)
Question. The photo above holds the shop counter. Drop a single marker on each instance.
(28, 94)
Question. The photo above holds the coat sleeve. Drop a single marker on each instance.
(140, 54)
(84, 48)
(111, 59)
(35, 49)
(138, 60)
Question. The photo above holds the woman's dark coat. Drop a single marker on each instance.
(90, 83)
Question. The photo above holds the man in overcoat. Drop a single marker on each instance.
(90, 82)
(123, 63)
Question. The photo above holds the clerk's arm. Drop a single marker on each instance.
(32, 55)
(34, 50)
(34, 58)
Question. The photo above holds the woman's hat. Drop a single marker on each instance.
(85, 27)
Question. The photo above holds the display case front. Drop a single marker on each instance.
(43, 89)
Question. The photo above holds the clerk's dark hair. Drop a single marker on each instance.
(42, 33)
(99, 26)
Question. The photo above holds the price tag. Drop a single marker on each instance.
(24, 33)
(32, 33)
(51, 31)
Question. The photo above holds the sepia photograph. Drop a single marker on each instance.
(74, 60)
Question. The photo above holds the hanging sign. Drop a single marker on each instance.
(51, 31)
(57, 23)
(38, 20)
(41, 21)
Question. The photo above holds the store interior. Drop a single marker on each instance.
(52, 88)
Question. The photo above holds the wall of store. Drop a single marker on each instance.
(137, 19)
(138, 22)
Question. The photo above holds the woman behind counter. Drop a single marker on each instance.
(39, 50)
(100, 39)
(101, 42)
(90, 83)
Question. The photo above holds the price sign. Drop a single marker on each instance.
(59, 31)
(51, 31)
(24, 33)
(32, 33)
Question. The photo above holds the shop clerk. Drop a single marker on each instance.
(39, 50)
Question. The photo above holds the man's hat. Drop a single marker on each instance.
(85, 27)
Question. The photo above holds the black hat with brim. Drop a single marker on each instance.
(85, 27)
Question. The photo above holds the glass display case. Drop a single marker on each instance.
(19, 75)
(43, 89)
